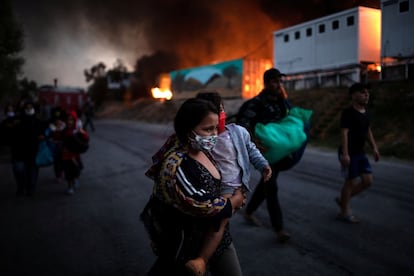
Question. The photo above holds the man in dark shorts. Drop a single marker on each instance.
(356, 169)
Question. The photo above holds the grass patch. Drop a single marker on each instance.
(391, 106)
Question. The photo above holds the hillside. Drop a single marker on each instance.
(391, 106)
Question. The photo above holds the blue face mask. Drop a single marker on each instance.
(205, 143)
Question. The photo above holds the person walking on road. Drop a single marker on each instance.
(88, 111)
(186, 199)
(55, 132)
(269, 106)
(73, 143)
(24, 132)
(233, 153)
(355, 130)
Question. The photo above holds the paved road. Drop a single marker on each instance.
(97, 231)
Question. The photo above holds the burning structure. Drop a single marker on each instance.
(360, 44)
(163, 92)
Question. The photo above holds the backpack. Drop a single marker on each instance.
(78, 143)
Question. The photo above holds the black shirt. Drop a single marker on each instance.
(358, 125)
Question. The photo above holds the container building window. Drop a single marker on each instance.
(335, 24)
(309, 32)
(297, 35)
(322, 28)
(350, 21)
(404, 6)
(286, 38)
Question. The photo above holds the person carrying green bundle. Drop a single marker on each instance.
(269, 111)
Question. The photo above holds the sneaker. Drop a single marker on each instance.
(70, 191)
(348, 218)
(252, 220)
(196, 267)
(282, 236)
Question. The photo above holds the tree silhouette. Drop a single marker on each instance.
(98, 90)
(27, 88)
(11, 44)
(117, 75)
(95, 72)
(119, 72)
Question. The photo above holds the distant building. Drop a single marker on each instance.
(119, 80)
(397, 41)
(68, 98)
(335, 50)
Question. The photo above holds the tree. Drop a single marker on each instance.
(102, 87)
(119, 72)
(118, 77)
(27, 89)
(11, 44)
(97, 71)
(99, 89)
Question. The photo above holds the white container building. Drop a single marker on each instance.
(335, 50)
(397, 40)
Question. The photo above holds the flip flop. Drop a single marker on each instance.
(348, 219)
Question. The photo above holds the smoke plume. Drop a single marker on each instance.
(67, 37)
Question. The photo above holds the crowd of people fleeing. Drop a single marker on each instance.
(201, 176)
(42, 136)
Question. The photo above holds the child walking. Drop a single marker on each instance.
(71, 151)
(55, 132)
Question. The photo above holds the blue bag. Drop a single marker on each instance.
(44, 155)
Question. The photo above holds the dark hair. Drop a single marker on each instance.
(189, 115)
(212, 96)
(272, 74)
(356, 87)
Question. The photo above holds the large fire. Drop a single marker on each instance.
(163, 92)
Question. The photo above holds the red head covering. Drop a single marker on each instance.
(74, 115)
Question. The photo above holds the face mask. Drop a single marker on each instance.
(10, 114)
(206, 143)
(222, 122)
(30, 111)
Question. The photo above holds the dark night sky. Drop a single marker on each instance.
(65, 37)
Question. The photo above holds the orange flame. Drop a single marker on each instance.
(162, 94)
